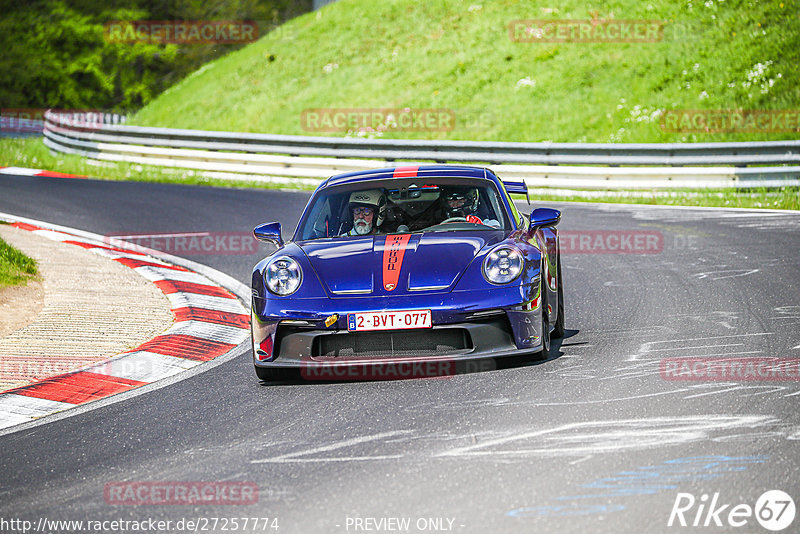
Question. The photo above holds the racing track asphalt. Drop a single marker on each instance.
(592, 440)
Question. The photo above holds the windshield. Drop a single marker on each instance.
(371, 208)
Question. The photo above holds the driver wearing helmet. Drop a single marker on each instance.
(368, 209)
(462, 202)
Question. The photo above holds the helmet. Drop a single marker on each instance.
(460, 201)
(372, 198)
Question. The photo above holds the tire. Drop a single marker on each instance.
(558, 330)
(275, 374)
(545, 352)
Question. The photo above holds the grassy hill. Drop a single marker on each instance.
(459, 56)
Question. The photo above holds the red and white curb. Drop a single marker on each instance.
(210, 322)
(22, 171)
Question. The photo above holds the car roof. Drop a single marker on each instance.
(409, 171)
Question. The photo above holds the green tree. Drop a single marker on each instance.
(56, 55)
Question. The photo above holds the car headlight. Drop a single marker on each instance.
(502, 265)
(283, 276)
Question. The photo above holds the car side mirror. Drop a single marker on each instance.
(269, 233)
(542, 217)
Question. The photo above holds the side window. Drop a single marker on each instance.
(495, 204)
(515, 214)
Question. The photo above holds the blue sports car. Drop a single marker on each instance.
(407, 271)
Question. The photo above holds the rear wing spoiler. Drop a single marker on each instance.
(517, 187)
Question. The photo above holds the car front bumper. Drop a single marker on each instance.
(467, 326)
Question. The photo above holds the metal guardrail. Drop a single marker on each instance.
(306, 157)
(30, 122)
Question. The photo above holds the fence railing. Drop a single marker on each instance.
(571, 165)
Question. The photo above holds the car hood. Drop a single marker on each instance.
(395, 264)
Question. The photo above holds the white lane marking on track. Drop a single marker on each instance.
(334, 459)
(725, 387)
(756, 437)
(699, 347)
(646, 347)
(729, 386)
(730, 353)
(595, 437)
(643, 331)
(708, 337)
(293, 457)
(730, 273)
(721, 318)
(603, 401)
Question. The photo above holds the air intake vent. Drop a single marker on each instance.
(401, 344)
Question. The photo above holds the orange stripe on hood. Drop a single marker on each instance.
(393, 252)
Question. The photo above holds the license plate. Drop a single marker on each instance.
(389, 320)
